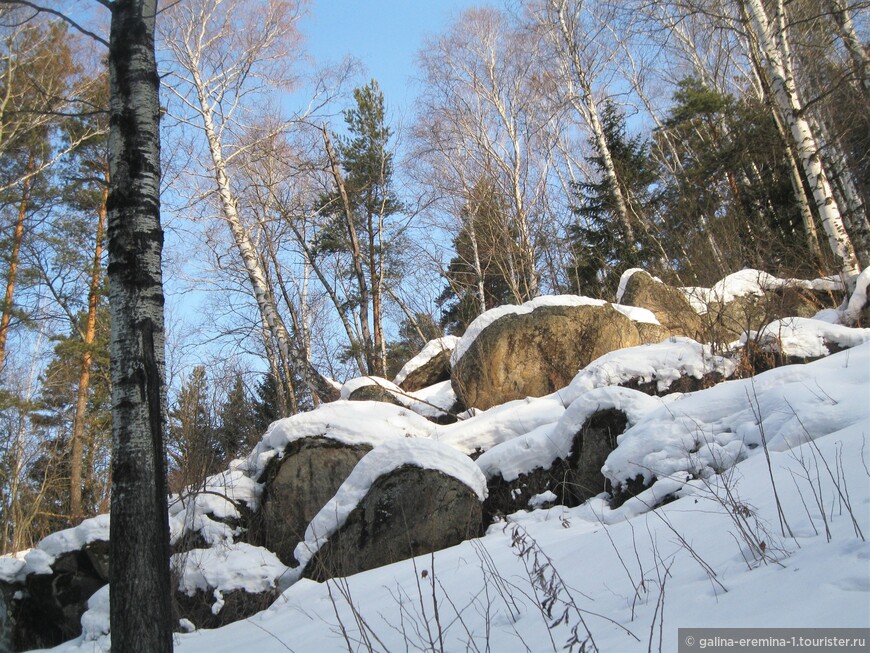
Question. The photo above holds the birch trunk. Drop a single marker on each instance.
(478, 269)
(141, 614)
(320, 386)
(797, 183)
(850, 38)
(773, 45)
(587, 107)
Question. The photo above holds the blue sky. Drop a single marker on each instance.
(385, 35)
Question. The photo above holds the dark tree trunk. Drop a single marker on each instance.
(140, 614)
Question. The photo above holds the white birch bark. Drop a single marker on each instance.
(773, 44)
(583, 101)
(857, 51)
(139, 531)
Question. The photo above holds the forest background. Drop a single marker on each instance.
(314, 234)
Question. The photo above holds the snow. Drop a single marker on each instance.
(485, 319)
(806, 337)
(379, 462)
(664, 363)
(611, 563)
(95, 620)
(501, 423)
(200, 508)
(434, 400)
(751, 282)
(707, 432)
(623, 281)
(343, 421)
(222, 569)
(72, 539)
(355, 384)
(39, 559)
(638, 573)
(430, 351)
(858, 300)
(544, 445)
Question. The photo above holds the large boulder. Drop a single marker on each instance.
(537, 348)
(405, 498)
(223, 584)
(669, 304)
(46, 589)
(297, 486)
(302, 460)
(747, 300)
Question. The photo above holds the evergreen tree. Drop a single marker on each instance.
(360, 217)
(53, 421)
(485, 249)
(266, 403)
(239, 428)
(730, 202)
(193, 442)
(601, 250)
(409, 342)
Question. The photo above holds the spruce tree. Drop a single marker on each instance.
(601, 250)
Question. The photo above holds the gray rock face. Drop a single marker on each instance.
(297, 487)
(46, 609)
(374, 393)
(533, 354)
(573, 480)
(408, 512)
(591, 447)
(238, 605)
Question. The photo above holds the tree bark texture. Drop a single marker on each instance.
(140, 613)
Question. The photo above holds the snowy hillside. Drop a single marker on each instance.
(719, 554)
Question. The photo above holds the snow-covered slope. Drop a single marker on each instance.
(720, 554)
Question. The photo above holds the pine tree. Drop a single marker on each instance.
(360, 212)
(239, 428)
(193, 432)
(727, 192)
(53, 419)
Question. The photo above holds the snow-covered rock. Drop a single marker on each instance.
(430, 366)
(403, 498)
(534, 349)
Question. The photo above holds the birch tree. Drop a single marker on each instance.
(481, 116)
(576, 51)
(227, 59)
(769, 32)
(140, 614)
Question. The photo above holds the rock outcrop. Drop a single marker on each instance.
(408, 512)
(669, 304)
(430, 366)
